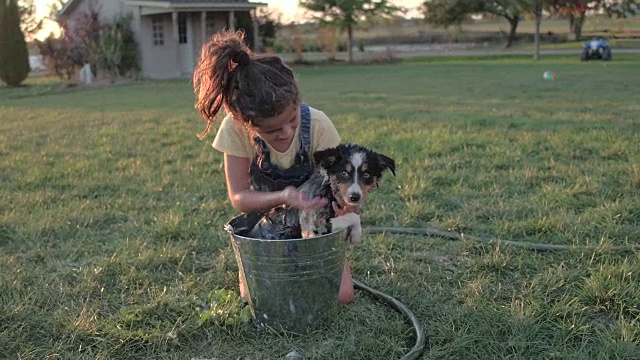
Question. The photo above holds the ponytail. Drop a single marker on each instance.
(250, 87)
(212, 73)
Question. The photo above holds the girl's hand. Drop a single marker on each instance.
(292, 197)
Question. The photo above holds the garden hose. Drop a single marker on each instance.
(418, 348)
(521, 244)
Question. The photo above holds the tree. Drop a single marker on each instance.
(622, 9)
(346, 14)
(30, 23)
(447, 13)
(14, 55)
(537, 12)
(268, 25)
(454, 12)
(576, 11)
(512, 10)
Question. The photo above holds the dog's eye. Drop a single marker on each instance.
(345, 173)
(366, 175)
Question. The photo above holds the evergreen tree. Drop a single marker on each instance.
(14, 55)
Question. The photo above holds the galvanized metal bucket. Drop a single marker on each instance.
(290, 284)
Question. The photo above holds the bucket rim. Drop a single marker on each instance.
(229, 228)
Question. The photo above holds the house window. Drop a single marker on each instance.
(158, 30)
(182, 30)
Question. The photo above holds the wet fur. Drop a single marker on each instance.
(340, 178)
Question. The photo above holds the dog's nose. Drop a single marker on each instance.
(354, 197)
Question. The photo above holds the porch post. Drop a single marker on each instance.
(232, 20)
(137, 19)
(203, 26)
(257, 46)
(137, 31)
(174, 19)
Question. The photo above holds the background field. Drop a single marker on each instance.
(484, 34)
(111, 213)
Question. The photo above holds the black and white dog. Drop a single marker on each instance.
(345, 175)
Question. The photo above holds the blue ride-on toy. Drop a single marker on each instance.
(596, 49)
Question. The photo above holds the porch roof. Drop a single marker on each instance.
(197, 4)
(179, 5)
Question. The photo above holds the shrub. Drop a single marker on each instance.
(14, 55)
(116, 48)
(268, 26)
(56, 56)
(328, 40)
(83, 37)
(108, 47)
(75, 47)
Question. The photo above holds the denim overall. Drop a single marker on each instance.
(266, 176)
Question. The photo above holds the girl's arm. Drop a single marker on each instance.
(244, 199)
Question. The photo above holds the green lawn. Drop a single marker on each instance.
(111, 214)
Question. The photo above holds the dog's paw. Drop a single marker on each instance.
(354, 234)
(349, 221)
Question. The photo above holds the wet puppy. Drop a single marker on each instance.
(344, 175)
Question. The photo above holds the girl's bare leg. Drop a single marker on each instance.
(241, 283)
(346, 292)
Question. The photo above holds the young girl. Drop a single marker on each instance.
(268, 137)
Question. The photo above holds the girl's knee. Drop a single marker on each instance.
(346, 293)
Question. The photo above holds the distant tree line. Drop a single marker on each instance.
(346, 14)
(447, 13)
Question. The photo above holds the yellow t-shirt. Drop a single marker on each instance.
(234, 139)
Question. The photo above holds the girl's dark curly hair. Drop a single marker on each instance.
(249, 86)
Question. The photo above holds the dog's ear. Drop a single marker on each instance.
(387, 163)
(326, 158)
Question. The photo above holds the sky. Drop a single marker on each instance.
(288, 8)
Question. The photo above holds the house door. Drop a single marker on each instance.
(185, 44)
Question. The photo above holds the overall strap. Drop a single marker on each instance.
(266, 176)
(305, 127)
(260, 145)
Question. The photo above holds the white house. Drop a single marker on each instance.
(170, 33)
